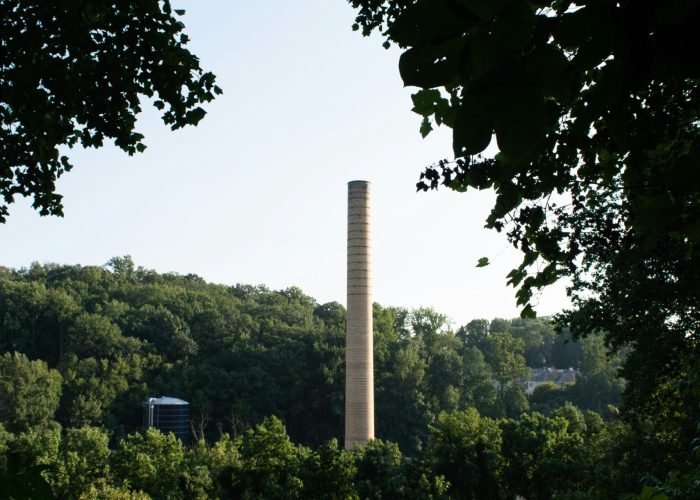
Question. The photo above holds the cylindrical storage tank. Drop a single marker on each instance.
(168, 415)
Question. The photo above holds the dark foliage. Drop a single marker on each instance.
(75, 73)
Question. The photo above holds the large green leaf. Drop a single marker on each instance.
(432, 65)
(484, 62)
(429, 22)
(484, 9)
(521, 123)
(424, 101)
(514, 24)
(473, 126)
(427, 102)
(548, 65)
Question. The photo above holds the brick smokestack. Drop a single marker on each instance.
(359, 364)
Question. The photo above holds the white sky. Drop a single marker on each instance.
(257, 192)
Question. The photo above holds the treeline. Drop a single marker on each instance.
(85, 346)
(570, 454)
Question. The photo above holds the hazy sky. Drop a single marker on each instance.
(257, 192)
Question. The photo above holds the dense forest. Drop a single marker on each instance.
(84, 346)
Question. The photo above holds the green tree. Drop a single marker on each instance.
(466, 449)
(91, 386)
(428, 325)
(566, 351)
(332, 314)
(499, 325)
(329, 472)
(5, 440)
(75, 74)
(548, 396)
(544, 454)
(94, 335)
(38, 445)
(34, 318)
(598, 387)
(271, 465)
(444, 377)
(151, 462)
(538, 336)
(29, 391)
(401, 407)
(164, 329)
(514, 401)
(386, 335)
(106, 491)
(380, 470)
(474, 333)
(423, 484)
(196, 482)
(504, 353)
(211, 466)
(83, 460)
(477, 382)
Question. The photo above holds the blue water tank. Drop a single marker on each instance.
(168, 415)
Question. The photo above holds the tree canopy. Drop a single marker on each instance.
(593, 100)
(76, 73)
(594, 108)
(83, 346)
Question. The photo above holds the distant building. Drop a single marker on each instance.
(539, 376)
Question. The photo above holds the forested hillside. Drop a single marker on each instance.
(264, 373)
